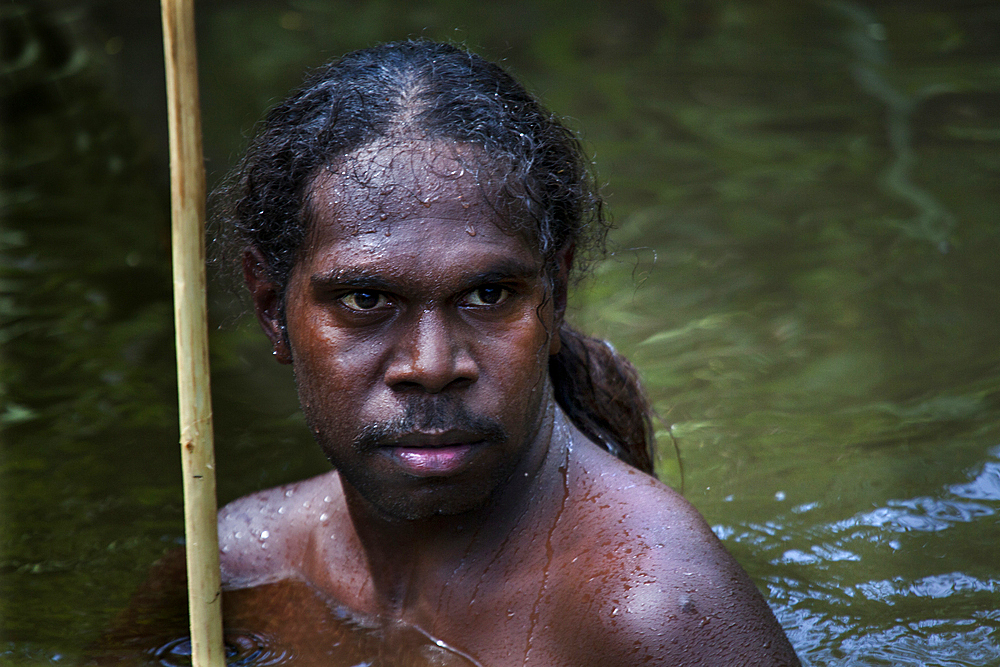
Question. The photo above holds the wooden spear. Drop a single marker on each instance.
(187, 196)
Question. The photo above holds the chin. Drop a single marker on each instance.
(429, 504)
(395, 495)
(427, 498)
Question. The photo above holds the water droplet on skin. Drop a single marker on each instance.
(324, 516)
(225, 549)
(288, 493)
(327, 499)
(383, 216)
(281, 510)
(264, 535)
(469, 229)
(305, 505)
(237, 534)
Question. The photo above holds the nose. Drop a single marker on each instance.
(430, 355)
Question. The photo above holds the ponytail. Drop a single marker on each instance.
(599, 391)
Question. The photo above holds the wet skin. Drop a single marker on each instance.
(463, 501)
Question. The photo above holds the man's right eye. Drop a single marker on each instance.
(364, 300)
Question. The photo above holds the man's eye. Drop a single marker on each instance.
(490, 295)
(362, 301)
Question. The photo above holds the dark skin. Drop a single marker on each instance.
(464, 502)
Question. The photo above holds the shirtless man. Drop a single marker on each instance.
(408, 222)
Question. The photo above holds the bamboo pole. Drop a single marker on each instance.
(187, 196)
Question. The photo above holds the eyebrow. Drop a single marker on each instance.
(506, 269)
(350, 278)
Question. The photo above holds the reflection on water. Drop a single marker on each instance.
(805, 274)
(871, 69)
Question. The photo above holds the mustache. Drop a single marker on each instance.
(430, 415)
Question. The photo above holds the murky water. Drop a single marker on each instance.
(805, 272)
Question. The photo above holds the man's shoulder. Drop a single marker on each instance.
(621, 498)
(262, 535)
(656, 580)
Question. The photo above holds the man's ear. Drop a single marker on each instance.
(266, 303)
(560, 293)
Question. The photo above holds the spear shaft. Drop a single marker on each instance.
(187, 197)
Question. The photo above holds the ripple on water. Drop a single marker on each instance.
(243, 649)
(887, 585)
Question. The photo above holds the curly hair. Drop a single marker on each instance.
(438, 91)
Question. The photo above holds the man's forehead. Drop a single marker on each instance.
(402, 179)
(409, 215)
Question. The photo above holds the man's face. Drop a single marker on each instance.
(419, 329)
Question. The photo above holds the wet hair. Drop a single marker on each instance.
(432, 91)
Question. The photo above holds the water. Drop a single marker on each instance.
(805, 273)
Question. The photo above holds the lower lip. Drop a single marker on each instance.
(432, 461)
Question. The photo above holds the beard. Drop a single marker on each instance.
(397, 496)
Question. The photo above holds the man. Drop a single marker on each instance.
(408, 223)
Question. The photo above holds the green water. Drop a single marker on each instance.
(805, 271)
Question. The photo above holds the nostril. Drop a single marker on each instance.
(460, 383)
(430, 387)
(405, 385)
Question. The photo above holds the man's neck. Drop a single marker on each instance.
(405, 557)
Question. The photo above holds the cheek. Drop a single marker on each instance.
(333, 391)
(517, 359)
(335, 374)
(337, 367)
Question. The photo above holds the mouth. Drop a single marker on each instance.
(433, 454)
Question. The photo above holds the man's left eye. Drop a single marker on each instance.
(364, 300)
(490, 295)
